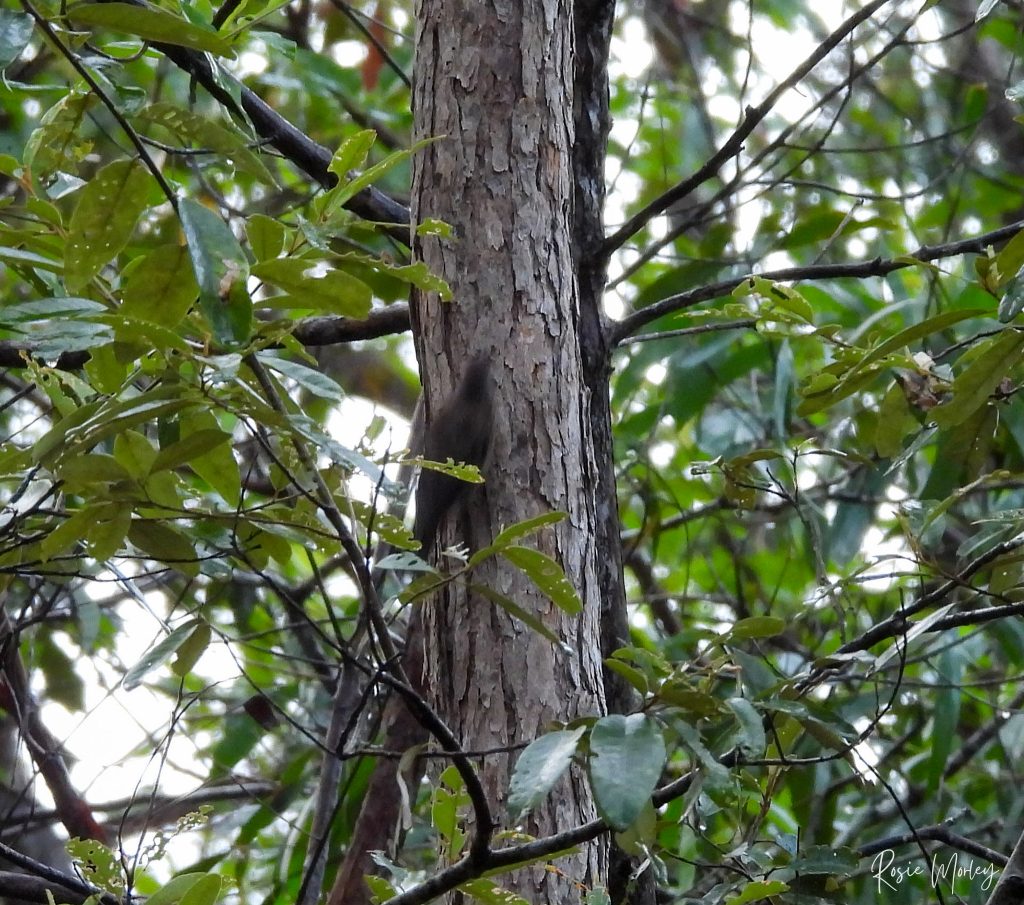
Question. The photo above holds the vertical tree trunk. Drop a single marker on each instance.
(494, 84)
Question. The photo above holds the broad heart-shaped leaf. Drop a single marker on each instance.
(547, 575)
(539, 767)
(107, 210)
(159, 654)
(627, 754)
(221, 270)
(150, 25)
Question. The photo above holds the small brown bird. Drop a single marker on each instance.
(460, 431)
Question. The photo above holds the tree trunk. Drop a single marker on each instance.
(494, 84)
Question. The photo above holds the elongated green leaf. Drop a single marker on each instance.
(539, 767)
(266, 237)
(189, 651)
(56, 143)
(203, 132)
(15, 33)
(164, 544)
(159, 654)
(160, 287)
(91, 468)
(16, 256)
(979, 379)
(104, 218)
(862, 372)
(310, 284)
(547, 575)
(188, 448)
(204, 892)
(514, 532)
(151, 25)
(172, 892)
(756, 627)
(627, 755)
(758, 891)
(751, 739)
(523, 615)
(945, 714)
(221, 270)
(490, 893)
(318, 383)
(352, 153)
(217, 464)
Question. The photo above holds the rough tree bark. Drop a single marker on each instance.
(494, 83)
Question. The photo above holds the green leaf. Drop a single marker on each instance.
(66, 535)
(1012, 302)
(221, 270)
(63, 683)
(160, 286)
(518, 612)
(165, 544)
(110, 527)
(318, 383)
(204, 133)
(151, 25)
(205, 891)
(895, 422)
(351, 155)
(135, 453)
(311, 284)
(996, 359)
(56, 143)
(104, 218)
(217, 464)
(191, 649)
(827, 388)
(266, 236)
(15, 33)
(194, 444)
(418, 274)
(627, 755)
(539, 767)
(346, 189)
(751, 738)
(91, 468)
(756, 627)
(758, 891)
(97, 864)
(159, 654)
(514, 532)
(175, 889)
(547, 575)
(945, 714)
(488, 892)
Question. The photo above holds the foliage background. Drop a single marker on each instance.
(819, 484)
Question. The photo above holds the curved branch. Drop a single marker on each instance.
(622, 330)
(751, 120)
(309, 156)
